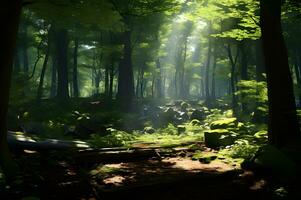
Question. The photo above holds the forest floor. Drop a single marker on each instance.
(159, 153)
(175, 176)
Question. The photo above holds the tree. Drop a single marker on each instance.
(9, 14)
(283, 122)
(130, 11)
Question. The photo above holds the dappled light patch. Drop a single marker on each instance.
(151, 171)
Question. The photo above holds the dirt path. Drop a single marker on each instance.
(48, 177)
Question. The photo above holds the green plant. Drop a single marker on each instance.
(116, 138)
(243, 149)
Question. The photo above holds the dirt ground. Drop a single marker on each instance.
(53, 177)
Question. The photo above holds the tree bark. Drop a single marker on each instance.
(296, 64)
(259, 61)
(283, 127)
(112, 73)
(107, 81)
(41, 83)
(75, 71)
(233, 62)
(126, 88)
(62, 64)
(159, 79)
(207, 74)
(10, 15)
(53, 78)
(244, 72)
(213, 95)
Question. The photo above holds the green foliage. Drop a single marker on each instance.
(252, 91)
(114, 139)
(224, 123)
(243, 149)
(102, 171)
(22, 90)
(254, 94)
(86, 12)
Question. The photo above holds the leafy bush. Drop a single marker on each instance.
(114, 139)
(243, 149)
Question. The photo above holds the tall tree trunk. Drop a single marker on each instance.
(41, 83)
(233, 62)
(244, 61)
(53, 78)
(75, 71)
(126, 90)
(297, 67)
(202, 88)
(97, 82)
(62, 64)
(142, 83)
(298, 78)
(213, 95)
(107, 81)
(259, 61)
(207, 74)
(159, 79)
(182, 70)
(9, 14)
(244, 72)
(112, 72)
(153, 85)
(283, 123)
(138, 83)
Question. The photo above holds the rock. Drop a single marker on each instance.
(168, 116)
(183, 116)
(197, 114)
(181, 129)
(178, 102)
(149, 130)
(224, 124)
(271, 158)
(184, 106)
(170, 113)
(218, 137)
(207, 159)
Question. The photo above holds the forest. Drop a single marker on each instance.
(150, 99)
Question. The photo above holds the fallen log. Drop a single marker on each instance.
(130, 155)
(18, 141)
(83, 154)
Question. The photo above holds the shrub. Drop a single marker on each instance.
(114, 139)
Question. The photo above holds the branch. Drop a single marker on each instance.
(37, 60)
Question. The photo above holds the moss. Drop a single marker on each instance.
(204, 157)
(102, 171)
(224, 124)
(219, 137)
(195, 122)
